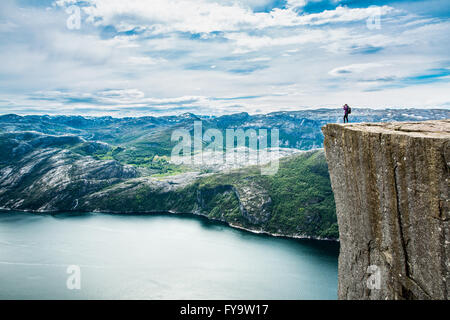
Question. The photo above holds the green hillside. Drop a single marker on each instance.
(301, 203)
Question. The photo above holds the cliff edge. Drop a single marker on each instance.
(390, 183)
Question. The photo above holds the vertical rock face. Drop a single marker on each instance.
(391, 182)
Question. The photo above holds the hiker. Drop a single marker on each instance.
(347, 111)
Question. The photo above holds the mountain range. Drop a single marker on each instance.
(122, 165)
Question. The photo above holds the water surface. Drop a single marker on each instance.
(157, 257)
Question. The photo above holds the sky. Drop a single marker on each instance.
(211, 57)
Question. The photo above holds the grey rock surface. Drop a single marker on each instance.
(391, 182)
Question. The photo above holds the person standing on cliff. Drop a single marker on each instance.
(347, 111)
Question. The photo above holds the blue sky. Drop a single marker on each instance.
(157, 57)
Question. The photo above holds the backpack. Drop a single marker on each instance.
(349, 110)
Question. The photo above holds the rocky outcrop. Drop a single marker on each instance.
(390, 182)
(39, 173)
(255, 202)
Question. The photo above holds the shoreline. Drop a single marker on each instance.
(229, 224)
(279, 235)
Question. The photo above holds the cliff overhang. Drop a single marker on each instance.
(390, 183)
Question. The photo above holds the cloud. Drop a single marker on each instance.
(136, 58)
(142, 61)
(201, 16)
(355, 68)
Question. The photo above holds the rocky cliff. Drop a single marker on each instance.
(390, 183)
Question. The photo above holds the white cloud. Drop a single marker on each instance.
(142, 61)
(201, 16)
(282, 59)
(355, 68)
(246, 43)
(296, 3)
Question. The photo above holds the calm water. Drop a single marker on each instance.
(157, 257)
